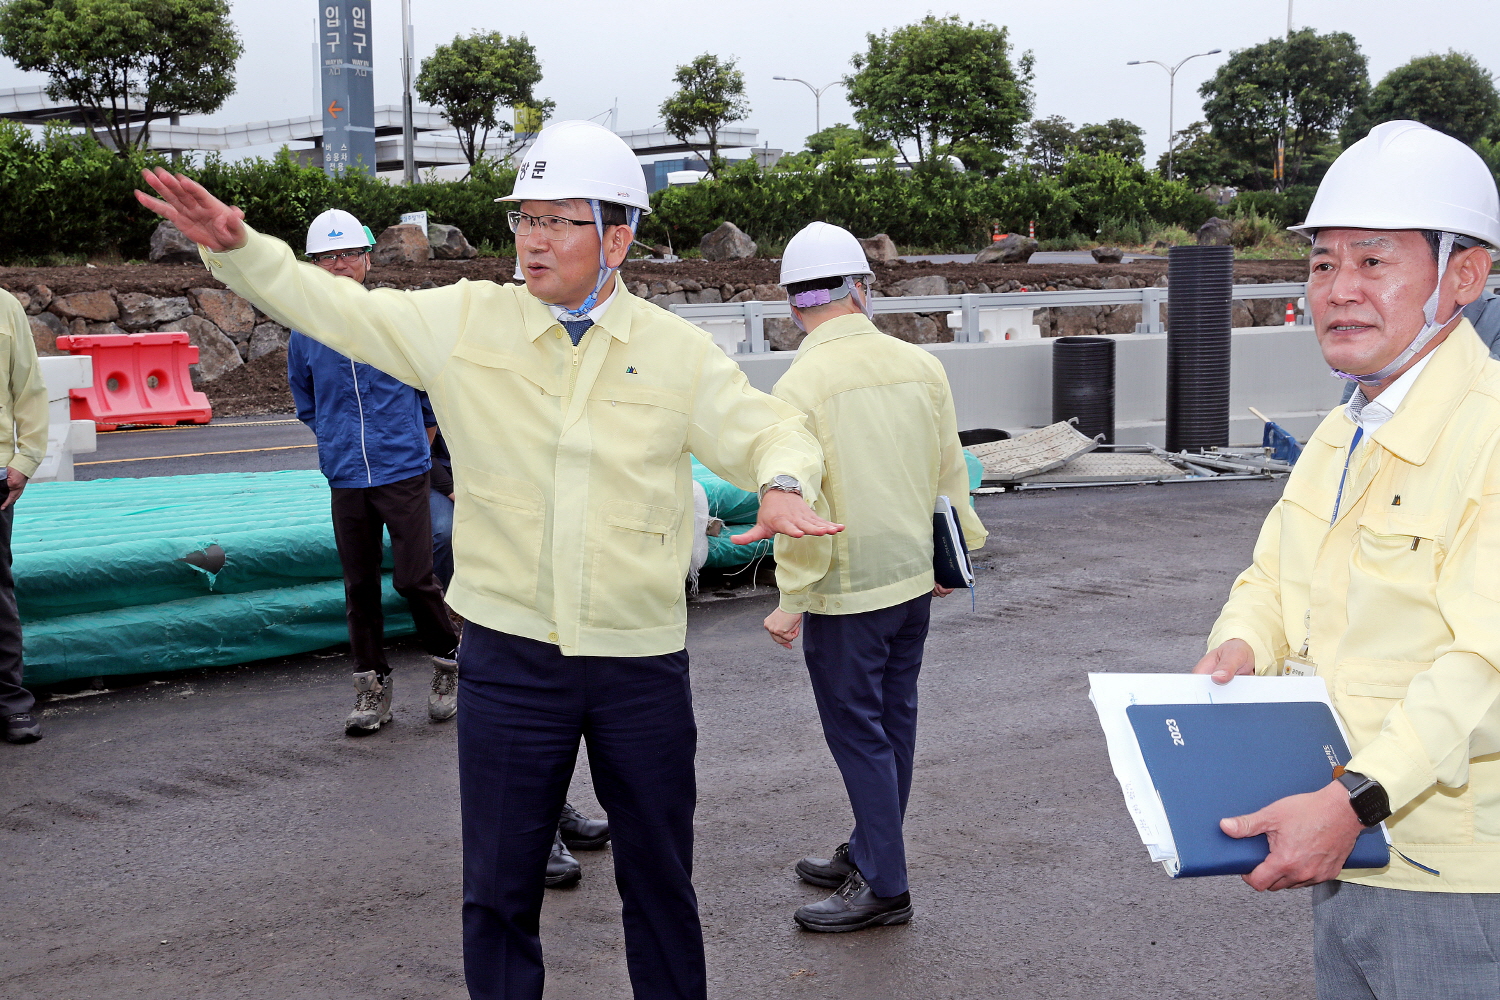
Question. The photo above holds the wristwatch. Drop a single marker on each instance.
(786, 484)
(1366, 795)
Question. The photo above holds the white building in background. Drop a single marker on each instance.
(436, 147)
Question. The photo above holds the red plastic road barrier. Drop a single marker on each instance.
(139, 378)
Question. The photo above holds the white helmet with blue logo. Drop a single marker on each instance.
(336, 229)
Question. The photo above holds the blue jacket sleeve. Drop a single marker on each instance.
(299, 378)
(428, 419)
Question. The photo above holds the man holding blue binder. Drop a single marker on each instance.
(1379, 571)
(883, 413)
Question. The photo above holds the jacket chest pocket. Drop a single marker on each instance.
(1398, 545)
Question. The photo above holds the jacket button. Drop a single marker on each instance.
(551, 636)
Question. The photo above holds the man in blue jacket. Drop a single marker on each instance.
(373, 445)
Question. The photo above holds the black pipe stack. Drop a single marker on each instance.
(1200, 283)
(1083, 384)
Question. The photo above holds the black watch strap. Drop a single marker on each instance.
(1366, 795)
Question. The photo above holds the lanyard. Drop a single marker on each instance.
(1358, 433)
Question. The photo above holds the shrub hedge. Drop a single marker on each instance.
(66, 195)
(926, 207)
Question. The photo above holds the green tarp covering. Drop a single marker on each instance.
(122, 576)
(738, 510)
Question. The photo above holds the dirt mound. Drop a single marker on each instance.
(253, 388)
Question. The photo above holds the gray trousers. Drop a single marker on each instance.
(14, 699)
(1371, 943)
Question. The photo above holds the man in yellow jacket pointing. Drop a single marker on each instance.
(571, 409)
(1379, 571)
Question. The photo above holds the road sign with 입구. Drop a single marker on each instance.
(348, 86)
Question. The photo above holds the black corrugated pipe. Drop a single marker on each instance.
(1083, 384)
(1200, 282)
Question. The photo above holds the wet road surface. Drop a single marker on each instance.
(217, 836)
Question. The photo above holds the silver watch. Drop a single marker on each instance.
(786, 484)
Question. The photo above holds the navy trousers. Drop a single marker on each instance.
(864, 671)
(521, 710)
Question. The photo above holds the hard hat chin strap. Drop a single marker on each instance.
(823, 296)
(633, 218)
(1430, 328)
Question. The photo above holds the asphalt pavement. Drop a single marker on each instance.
(232, 444)
(215, 835)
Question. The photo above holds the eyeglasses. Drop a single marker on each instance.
(554, 227)
(329, 258)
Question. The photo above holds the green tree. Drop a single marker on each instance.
(1199, 159)
(126, 61)
(1048, 141)
(710, 94)
(1451, 93)
(1124, 139)
(472, 78)
(1304, 87)
(842, 136)
(941, 83)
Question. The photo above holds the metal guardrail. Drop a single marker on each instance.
(754, 313)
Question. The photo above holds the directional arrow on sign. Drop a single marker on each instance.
(333, 108)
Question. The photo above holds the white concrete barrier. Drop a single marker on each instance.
(1008, 384)
(66, 437)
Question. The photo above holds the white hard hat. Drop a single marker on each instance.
(336, 229)
(822, 251)
(580, 159)
(1404, 175)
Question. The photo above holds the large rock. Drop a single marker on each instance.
(927, 284)
(913, 328)
(727, 242)
(266, 338)
(1014, 249)
(448, 243)
(880, 249)
(96, 307)
(401, 244)
(216, 352)
(1107, 255)
(45, 329)
(169, 246)
(226, 310)
(41, 298)
(705, 295)
(769, 293)
(782, 334)
(144, 312)
(1215, 232)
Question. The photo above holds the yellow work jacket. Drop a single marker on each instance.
(573, 514)
(23, 396)
(883, 413)
(1399, 604)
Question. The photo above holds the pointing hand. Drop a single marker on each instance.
(187, 204)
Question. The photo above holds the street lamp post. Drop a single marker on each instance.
(817, 93)
(408, 127)
(1171, 96)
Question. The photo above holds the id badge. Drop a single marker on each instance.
(1298, 666)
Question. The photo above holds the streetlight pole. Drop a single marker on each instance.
(408, 127)
(817, 93)
(1171, 96)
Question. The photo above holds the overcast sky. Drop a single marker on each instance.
(594, 53)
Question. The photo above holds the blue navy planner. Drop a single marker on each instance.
(1213, 761)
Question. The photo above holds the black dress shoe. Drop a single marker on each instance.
(581, 833)
(827, 872)
(563, 869)
(853, 908)
(22, 728)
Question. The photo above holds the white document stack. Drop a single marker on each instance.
(1113, 693)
